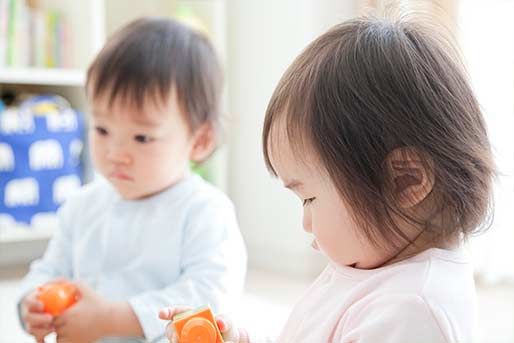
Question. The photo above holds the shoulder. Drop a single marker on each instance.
(210, 220)
(206, 198)
(193, 202)
(396, 317)
(432, 293)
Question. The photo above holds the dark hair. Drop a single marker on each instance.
(369, 86)
(151, 57)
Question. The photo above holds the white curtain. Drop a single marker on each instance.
(486, 33)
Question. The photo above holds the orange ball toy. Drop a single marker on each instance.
(57, 296)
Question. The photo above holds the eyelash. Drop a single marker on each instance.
(138, 138)
(308, 201)
(101, 131)
(143, 139)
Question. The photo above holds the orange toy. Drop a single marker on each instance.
(197, 326)
(57, 296)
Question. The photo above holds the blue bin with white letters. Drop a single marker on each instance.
(40, 159)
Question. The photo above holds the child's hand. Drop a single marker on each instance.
(37, 322)
(86, 320)
(228, 331)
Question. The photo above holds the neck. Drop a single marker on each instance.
(422, 242)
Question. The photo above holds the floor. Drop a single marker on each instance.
(270, 297)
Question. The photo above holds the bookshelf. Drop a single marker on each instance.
(88, 24)
(43, 76)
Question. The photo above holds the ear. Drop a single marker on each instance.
(410, 176)
(204, 142)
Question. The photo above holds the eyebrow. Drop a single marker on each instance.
(144, 122)
(137, 120)
(293, 184)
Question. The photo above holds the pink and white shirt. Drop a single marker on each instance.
(428, 298)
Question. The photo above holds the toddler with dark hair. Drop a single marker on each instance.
(376, 130)
(149, 233)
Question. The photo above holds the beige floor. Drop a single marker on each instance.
(267, 301)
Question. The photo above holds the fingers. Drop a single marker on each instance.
(223, 324)
(32, 304)
(37, 323)
(169, 312)
(35, 319)
(228, 331)
(39, 335)
(62, 332)
(171, 334)
(164, 314)
(59, 322)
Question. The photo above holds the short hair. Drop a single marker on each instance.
(151, 57)
(369, 86)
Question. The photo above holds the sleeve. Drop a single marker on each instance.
(56, 261)
(393, 319)
(213, 263)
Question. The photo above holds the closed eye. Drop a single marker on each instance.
(308, 201)
(143, 139)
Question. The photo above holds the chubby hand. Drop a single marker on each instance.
(230, 333)
(37, 322)
(86, 320)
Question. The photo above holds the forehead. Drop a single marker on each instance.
(151, 112)
(291, 158)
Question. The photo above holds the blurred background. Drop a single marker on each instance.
(46, 46)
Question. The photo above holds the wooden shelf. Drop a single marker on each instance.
(41, 76)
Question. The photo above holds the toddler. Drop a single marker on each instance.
(149, 233)
(376, 130)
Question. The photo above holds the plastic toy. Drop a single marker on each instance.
(197, 326)
(57, 296)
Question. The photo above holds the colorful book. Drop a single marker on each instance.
(4, 22)
(32, 36)
(18, 54)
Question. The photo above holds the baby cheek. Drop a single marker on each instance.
(97, 150)
(307, 220)
(329, 233)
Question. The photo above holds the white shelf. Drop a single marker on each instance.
(41, 76)
(16, 235)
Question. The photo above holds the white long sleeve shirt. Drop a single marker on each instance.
(428, 298)
(181, 246)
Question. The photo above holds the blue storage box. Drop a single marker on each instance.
(40, 159)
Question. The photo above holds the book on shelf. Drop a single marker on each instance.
(4, 8)
(31, 36)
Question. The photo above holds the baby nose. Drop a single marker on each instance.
(117, 154)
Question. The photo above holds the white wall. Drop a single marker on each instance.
(263, 39)
(485, 32)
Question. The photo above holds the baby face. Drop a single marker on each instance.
(139, 152)
(325, 214)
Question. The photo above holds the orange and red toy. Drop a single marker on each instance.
(57, 296)
(197, 326)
